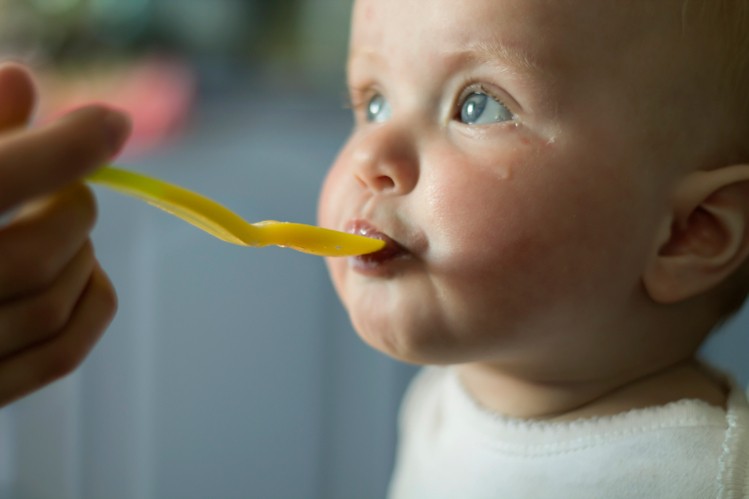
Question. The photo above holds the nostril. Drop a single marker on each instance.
(384, 183)
(380, 183)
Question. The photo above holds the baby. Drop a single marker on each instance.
(563, 187)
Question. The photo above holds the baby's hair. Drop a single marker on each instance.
(723, 29)
(725, 23)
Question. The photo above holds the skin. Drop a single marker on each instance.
(526, 239)
(55, 300)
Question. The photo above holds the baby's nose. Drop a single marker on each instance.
(387, 160)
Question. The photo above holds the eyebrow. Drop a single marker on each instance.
(482, 52)
(497, 50)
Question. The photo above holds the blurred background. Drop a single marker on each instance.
(228, 372)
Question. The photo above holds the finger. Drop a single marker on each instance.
(38, 244)
(44, 363)
(17, 96)
(46, 159)
(28, 321)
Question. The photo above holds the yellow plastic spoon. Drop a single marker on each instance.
(226, 225)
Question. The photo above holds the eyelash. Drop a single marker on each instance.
(357, 98)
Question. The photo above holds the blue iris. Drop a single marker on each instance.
(481, 109)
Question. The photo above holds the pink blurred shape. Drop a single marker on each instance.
(158, 93)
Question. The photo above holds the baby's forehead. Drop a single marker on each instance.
(607, 35)
(576, 22)
(554, 32)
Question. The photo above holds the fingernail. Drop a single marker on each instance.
(117, 127)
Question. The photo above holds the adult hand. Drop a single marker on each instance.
(55, 300)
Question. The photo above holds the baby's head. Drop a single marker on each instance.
(531, 164)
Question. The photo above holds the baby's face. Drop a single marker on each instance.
(507, 151)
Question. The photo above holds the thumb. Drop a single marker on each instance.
(17, 96)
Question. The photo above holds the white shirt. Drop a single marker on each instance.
(454, 449)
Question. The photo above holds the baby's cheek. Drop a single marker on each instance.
(519, 233)
(329, 197)
(476, 211)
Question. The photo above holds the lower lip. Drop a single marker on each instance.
(377, 259)
(373, 267)
(379, 263)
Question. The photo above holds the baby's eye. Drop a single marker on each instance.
(479, 108)
(378, 109)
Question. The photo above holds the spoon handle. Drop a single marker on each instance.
(226, 225)
(190, 206)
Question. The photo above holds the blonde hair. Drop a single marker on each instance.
(722, 29)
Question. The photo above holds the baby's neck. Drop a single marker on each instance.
(520, 398)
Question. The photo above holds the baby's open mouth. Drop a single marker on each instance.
(392, 248)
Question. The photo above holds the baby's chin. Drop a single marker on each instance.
(413, 345)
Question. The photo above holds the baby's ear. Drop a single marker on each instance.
(705, 239)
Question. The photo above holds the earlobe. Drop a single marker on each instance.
(705, 239)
